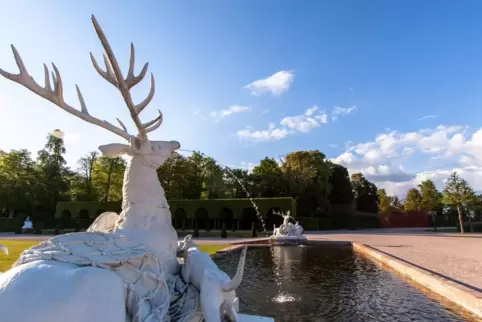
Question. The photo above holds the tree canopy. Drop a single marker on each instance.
(35, 185)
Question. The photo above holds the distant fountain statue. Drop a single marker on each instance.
(27, 225)
(125, 268)
(287, 232)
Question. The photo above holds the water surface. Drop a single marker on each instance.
(320, 283)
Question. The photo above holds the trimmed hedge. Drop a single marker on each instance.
(315, 223)
(213, 207)
(11, 224)
(476, 224)
(358, 221)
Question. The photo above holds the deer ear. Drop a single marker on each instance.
(115, 150)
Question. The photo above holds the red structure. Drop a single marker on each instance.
(409, 219)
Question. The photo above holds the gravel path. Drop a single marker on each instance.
(457, 257)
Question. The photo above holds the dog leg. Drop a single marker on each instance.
(231, 313)
(211, 298)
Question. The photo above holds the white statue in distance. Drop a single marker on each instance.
(287, 228)
(27, 225)
(124, 268)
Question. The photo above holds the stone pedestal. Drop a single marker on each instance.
(254, 318)
(287, 240)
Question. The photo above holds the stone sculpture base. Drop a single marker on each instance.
(254, 318)
(287, 240)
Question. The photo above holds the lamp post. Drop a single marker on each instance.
(58, 134)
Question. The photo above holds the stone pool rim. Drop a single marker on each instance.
(460, 295)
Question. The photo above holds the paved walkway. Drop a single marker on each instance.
(455, 256)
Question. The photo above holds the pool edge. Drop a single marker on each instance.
(468, 299)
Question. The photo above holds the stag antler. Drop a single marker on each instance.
(278, 213)
(56, 95)
(112, 74)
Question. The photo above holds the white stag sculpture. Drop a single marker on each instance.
(124, 268)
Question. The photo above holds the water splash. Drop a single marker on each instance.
(248, 195)
(283, 298)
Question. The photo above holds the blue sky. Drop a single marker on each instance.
(392, 89)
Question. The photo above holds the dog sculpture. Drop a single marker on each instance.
(201, 271)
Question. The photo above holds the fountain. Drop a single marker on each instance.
(287, 233)
(248, 195)
(125, 267)
(27, 226)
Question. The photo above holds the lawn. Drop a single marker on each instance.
(15, 247)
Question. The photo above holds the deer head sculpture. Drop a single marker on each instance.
(139, 144)
(147, 155)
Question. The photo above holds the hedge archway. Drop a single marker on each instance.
(225, 217)
(249, 216)
(202, 218)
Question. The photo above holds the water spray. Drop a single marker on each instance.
(248, 195)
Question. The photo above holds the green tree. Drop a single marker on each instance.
(210, 176)
(81, 182)
(233, 178)
(431, 197)
(431, 200)
(54, 171)
(342, 191)
(268, 179)
(180, 178)
(308, 175)
(107, 178)
(384, 205)
(395, 203)
(21, 187)
(458, 192)
(366, 193)
(413, 200)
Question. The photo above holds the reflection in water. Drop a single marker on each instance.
(283, 262)
(319, 283)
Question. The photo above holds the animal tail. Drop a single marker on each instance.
(4, 249)
(236, 280)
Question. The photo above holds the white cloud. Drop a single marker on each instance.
(311, 119)
(426, 117)
(439, 151)
(341, 111)
(233, 109)
(275, 84)
(272, 133)
(305, 122)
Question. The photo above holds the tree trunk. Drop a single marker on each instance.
(461, 222)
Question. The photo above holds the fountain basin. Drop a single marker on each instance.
(287, 240)
(254, 318)
(330, 283)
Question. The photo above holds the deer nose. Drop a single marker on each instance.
(176, 145)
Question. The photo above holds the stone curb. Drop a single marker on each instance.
(228, 250)
(470, 300)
